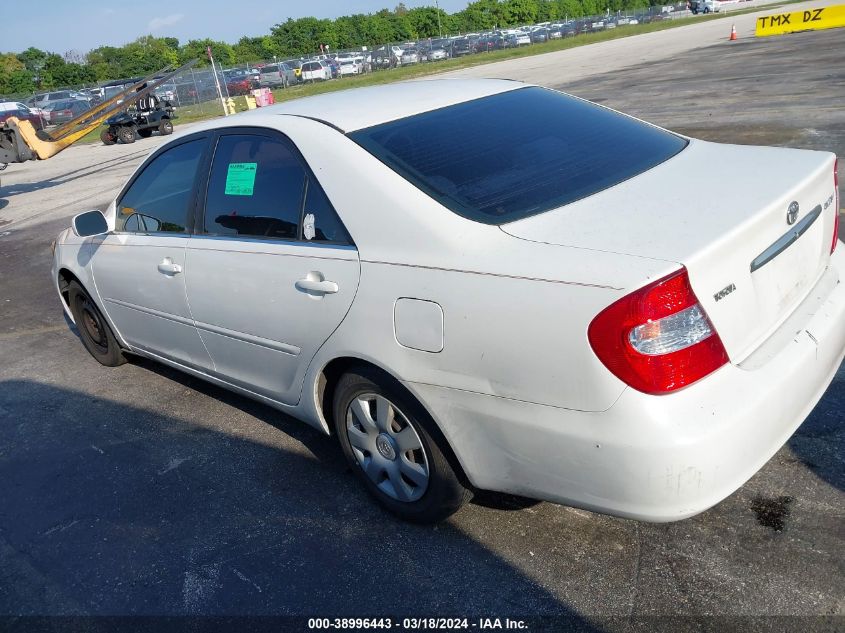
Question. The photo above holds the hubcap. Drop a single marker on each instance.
(387, 447)
(91, 323)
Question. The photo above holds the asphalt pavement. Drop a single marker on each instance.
(142, 491)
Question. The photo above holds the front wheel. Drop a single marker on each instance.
(395, 449)
(165, 127)
(107, 137)
(95, 333)
(126, 134)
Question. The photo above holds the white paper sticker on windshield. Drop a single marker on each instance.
(308, 227)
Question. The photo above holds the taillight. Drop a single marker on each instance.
(658, 339)
(835, 206)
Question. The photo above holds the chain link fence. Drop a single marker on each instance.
(195, 91)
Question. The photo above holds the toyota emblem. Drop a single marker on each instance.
(792, 213)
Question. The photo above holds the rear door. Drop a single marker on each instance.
(272, 271)
(139, 268)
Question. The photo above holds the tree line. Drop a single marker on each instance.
(34, 69)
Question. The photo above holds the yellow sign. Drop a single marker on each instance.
(809, 20)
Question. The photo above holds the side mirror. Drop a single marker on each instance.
(90, 223)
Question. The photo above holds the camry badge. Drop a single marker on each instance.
(792, 213)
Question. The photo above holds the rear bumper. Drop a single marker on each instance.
(653, 458)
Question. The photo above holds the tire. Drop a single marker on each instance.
(126, 134)
(95, 333)
(145, 133)
(410, 477)
(107, 138)
(165, 127)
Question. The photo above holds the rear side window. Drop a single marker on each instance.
(321, 223)
(255, 189)
(509, 156)
(158, 200)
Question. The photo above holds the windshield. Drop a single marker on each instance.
(512, 155)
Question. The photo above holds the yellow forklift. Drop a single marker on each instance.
(20, 142)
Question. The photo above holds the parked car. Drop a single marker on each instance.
(437, 54)
(21, 111)
(514, 40)
(386, 57)
(348, 66)
(41, 100)
(491, 42)
(277, 75)
(463, 46)
(63, 111)
(485, 285)
(333, 66)
(94, 95)
(410, 56)
(240, 81)
(704, 6)
(538, 36)
(296, 66)
(316, 71)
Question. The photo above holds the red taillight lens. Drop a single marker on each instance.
(835, 206)
(658, 339)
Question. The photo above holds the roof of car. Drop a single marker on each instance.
(350, 110)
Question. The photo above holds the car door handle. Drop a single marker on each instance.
(321, 287)
(167, 267)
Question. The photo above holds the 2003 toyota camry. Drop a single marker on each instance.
(482, 285)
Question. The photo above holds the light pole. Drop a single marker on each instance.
(439, 30)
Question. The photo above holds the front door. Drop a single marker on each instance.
(274, 272)
(139, 269)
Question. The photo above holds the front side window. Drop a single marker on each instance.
(255, 189)
(161, 196)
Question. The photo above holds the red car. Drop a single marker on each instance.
(239, 82)
(17, 109)
(239, 86)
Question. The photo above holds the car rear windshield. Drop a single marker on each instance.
(512, 155)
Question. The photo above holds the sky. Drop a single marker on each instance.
(63, 25)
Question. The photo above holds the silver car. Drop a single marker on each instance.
(276, 75)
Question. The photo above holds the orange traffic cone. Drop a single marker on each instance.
(733, 33)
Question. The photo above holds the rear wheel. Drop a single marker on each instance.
(95, 333)
(126, 134)
(107, 137)
(395, 449)
(165, 127)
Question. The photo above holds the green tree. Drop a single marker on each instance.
(14, 76)
(196, 49)
(33, 59)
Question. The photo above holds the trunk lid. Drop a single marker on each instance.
(721, 211)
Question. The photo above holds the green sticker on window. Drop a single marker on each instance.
(240, 179)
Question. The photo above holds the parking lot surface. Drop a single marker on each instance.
(140, 490)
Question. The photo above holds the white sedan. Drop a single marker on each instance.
(315, 71)
(347, 66)
(482, 285)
